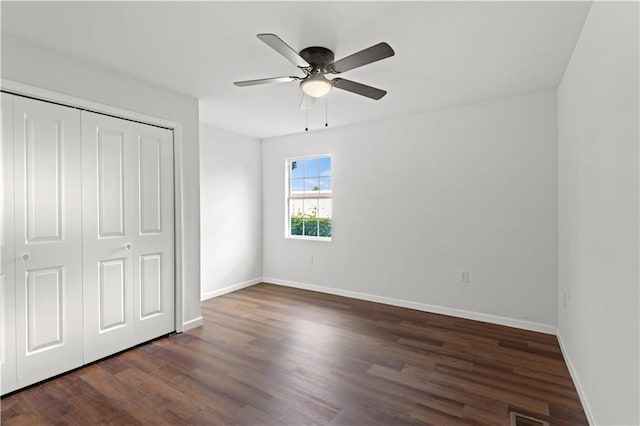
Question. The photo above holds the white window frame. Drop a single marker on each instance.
(288, 196)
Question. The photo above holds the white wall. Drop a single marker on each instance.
(230, 211)
(31, 64)
(468, 188)
(598, 141)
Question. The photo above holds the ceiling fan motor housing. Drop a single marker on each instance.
(318, 57)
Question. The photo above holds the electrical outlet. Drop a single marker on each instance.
(463, 276)
(310, 259)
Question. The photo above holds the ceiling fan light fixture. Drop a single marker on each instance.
(316, 86)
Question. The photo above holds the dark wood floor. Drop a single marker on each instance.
(270, 355)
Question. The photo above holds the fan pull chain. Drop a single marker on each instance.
(306, 114)
(326, 112)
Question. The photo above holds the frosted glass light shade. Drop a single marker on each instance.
(316, 86)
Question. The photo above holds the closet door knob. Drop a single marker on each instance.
(127, 246)
(26, 257)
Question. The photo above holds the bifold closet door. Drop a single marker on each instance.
(128, 241)
(48, 239)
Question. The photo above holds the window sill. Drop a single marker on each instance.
(303, 237)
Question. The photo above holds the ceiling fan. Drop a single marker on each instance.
(316, 62)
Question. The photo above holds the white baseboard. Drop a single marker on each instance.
(576, 381)
(460, 313)
(229, 289)
(192, 323)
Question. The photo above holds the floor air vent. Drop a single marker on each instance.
(518, 419)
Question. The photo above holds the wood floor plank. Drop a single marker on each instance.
(271, 355)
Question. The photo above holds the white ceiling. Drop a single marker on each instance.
(447, 53)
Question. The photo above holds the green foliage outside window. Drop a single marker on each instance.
(310, 225)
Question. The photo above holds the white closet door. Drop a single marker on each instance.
(154, 276)
(48, 241)
(128, 234)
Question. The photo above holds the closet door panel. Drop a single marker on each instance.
(154, 241)
(150, 185)
(44, 308)
(48, 241)
(150, 268)
(112, 289)
(110, 177)
(43, 178)
(108, 194)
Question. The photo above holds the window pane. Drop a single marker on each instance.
(324, 221)
(312, 167)
(311, 227)
(325, 184)
(325, 166)
(311, 185)
(296, 208)
(324, 208)
(297, 186)
(297, 169)
(311, 208)
(296, 226)
(324, 227)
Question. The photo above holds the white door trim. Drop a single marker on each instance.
(7, 269)
(72, 101)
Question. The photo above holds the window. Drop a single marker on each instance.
(309, 197)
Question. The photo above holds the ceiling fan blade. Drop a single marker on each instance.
(363, 57)
(265, 81)
(284, 49)
(358, 88)
(307, 102)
